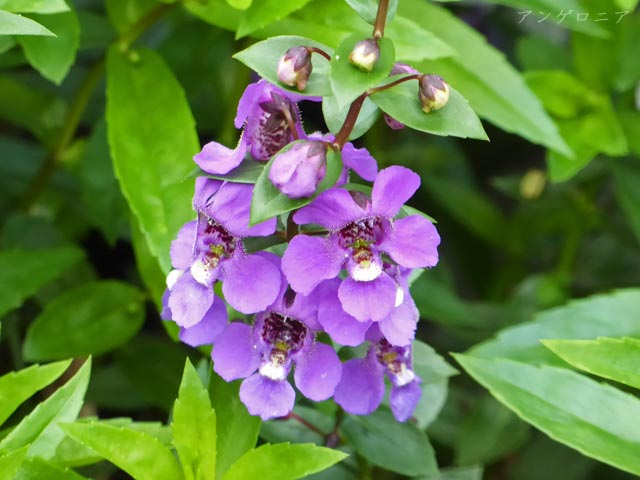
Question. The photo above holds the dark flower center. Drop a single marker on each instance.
(361, 233)
(218, 242)
(284, 334)
(273, 131)
(396, 360)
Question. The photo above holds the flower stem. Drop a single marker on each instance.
(320, 52)
(306, 423)
(381, 19)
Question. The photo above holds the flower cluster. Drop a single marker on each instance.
(344, 271)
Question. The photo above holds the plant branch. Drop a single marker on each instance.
(320, 52)
(306, 423)
(381, 19)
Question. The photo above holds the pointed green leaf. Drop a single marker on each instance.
(368, 9)
(236, 430)
(137, 453)
(151, 153)
(613, 358)
(53, 56)
(464, 473)
(594, 418)
(194, 428)
(10, 462)
(36, 468)
(334, 116)
(93, 318)
(348, 81)
(246, 172)
(263, 12)
(283, 461)
(263, 57)
(456, 118)
(612, 315)
(34, 6)
(626, 180)
(41, 427)
(14, 24)
(267, 200)
(24, 272)
(16, 387)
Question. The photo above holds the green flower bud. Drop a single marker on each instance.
(295, 67)
(365, 54)
(433, 93)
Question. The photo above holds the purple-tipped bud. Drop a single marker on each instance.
(295, 67)
(298, 171)
(398, 69)
(434, 93)
(365, 54)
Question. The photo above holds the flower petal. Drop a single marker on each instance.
(310, 260)
(234, 355)
(341, 327)
(414, 242)
(205, 189)
(217, 159)
(392, 188)
(399, 328)
(267, 398)
(360, 161)
(361, 388)
(189, 301)
(372, 300)
(252, 95)
(403, 400)
(209, 328)
(251, 283)
(182, 247)
(318, 371)
(332, 209)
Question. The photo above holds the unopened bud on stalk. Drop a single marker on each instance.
(295, 67)
(298, 171)
(365, 54)
(434, 93)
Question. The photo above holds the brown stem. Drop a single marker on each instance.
(292, 227)
(381, 19)
(320, 52)
(381, 88)
(291, 123)
(304, 422)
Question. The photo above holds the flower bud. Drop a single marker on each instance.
(365, 54)
(434, 93)
(398, 69)
(298, 171)
(295, 67)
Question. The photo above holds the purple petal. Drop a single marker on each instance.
(165, 313)
(361, 388)
(414, 242)
(217, 159)
(298, 171)
(332, 209)
(404, 400)
(205, 189)
(234, 354)
(360, 161)
(209, 328)
(318, 372)
(251, 283)
(372, 300)
(267, 398)
(399, 327)
(341, 327)
(392, 188)
(182, 246)
(253, 94)
(310, 260)
(189, 301)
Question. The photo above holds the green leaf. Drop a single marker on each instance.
(247, 172)
(13, 24)
(263, 57)
(194, 428)
(267, 200)
(562, 94)
(53, 57)
(334, 116)
(24, 272)
(148, 266)
(611, 315)
(283, 461)
(603, 424)
(399, 447)
(240, 4)
(93, 318)
(34, 6)
(10, 462)
(465, 473)
(38, 469)
(348, 81)
(151, 153)
(123, 15)
(40, 429)
(16, 387)
(456, 118)
(261, 13)
(626, 180)
(613, 358)
(481, 74)
(236, 430)
(137, 453)
(368, 9)
(629, 5)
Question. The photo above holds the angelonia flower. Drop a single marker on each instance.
(342, 280)
(433, 93)
(365, 54)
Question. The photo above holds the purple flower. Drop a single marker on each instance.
(297, 171)
(361, 388)
(265, 111)
(283, 335)
(398, 69)
(211, 249)
(360, 230)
